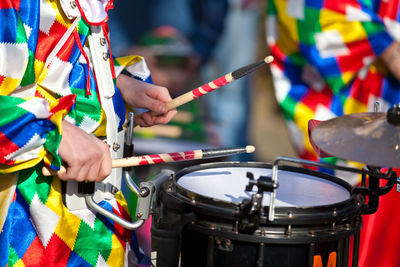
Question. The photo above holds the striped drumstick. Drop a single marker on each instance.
(166, 157)
(217, 83)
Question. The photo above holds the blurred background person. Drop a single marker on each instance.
(334, 58)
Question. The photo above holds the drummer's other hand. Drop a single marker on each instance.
(144, 95)
(87, 158)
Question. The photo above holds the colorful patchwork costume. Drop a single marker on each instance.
(326, 65)
(47, 68)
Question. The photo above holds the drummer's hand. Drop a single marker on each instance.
(87, 158)
(144, 95)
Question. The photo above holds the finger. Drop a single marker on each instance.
(105, 167)
(155, 105)
(148, 118)
(165, 118)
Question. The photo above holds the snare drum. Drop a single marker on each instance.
(201, 219)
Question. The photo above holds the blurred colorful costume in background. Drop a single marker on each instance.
(46, 76)
(327, 64)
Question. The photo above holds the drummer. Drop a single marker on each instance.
(52, 108)
(330, 69)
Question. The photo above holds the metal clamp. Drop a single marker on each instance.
(145, 194)
(271, 213)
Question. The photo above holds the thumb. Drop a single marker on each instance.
(155, 105)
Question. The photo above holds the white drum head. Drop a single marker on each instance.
(295, 189)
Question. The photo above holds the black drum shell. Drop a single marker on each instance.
(200, 217)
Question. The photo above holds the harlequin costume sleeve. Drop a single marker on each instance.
(46, 77)
(326, 64)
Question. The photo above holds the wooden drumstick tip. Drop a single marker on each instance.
(250, 149)
(269, 59)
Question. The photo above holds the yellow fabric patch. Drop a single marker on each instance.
(349, 30)
(8, 85)
(302, 115)
(38, 66)
(126, 61)
(117, 255)
(354, 106)
(19, 263)
(17, 166)
(347, 76)
(288, 36)
(7, 189)
(60, 16)
(102, 129)
(68, 225)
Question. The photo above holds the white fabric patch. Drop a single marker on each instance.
(297, 136)
(57, 77)
(139, 70)
(69, 119)
(295, 8)
(362, 74)
(281, 84)
(323, 113)
(272, 29)
(393, 28)
(37, 106)
(94, 10)
(312, 77)
(44, 219)
(101, 262)
(47, 16)
(29, 151)
(330, 44)
(88, 125)
(14, 59)
(85, 215)
(355, 14)
(28, 31)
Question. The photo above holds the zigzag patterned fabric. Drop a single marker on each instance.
(38, 91)
(326, 60)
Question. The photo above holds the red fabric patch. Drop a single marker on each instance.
(47, 42)
(340, 6)
(6, 148)
(56, 252)
(380, 235)
(389, 9)
(312, 99)
(123, 234)
(34, 255)
(362, 90)
(354, 60)
(65, 102)
(2, 79)
(7, 4)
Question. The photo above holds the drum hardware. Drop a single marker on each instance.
(373, 191)
(252, 208)
(145, 193)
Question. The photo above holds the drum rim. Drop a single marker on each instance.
(227, 209)
(289, 168)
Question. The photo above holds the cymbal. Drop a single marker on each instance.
(372, 138)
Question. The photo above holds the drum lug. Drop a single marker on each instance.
(224, 244)
(288, 231)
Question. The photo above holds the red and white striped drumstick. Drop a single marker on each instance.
(166, 157)
(217, 83)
